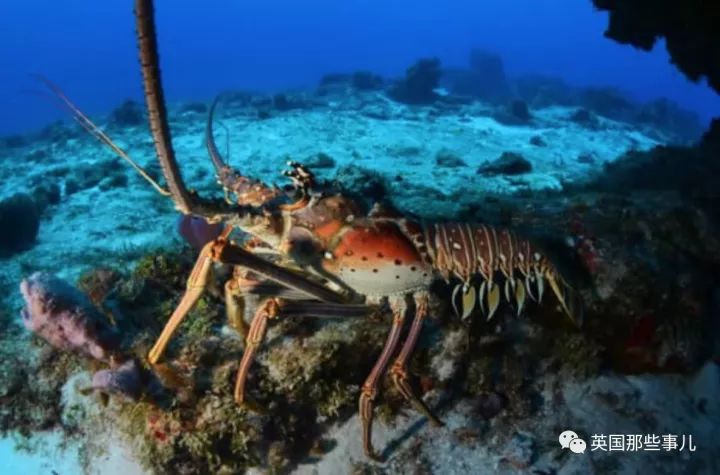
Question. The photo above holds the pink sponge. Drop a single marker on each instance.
(125, 380)
(64, 317)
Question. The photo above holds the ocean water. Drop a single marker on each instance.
(538, 199)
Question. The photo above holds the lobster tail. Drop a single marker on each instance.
(569, 298)
(493, 263)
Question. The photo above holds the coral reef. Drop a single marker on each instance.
(682, 126)
(419, 84)
(127, 114)
(20, 222)
(485, 79)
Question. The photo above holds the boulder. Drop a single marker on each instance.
(419, 84)
(509, 163)
(19, 222)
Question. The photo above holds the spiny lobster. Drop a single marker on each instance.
(328, 258)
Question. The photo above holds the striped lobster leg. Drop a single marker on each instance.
(491, 262)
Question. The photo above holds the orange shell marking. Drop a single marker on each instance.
(378, 260)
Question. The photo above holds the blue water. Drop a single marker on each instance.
(88, 47)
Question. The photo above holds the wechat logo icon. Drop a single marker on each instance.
(570, 440)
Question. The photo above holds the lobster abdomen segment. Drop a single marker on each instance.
(476, 252)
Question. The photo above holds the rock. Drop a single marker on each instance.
(537, 141)
(19, 222)
(607, 102)
(585, 118)
(334, 79)
(286, 102)
(711, 138)
(519, 109)
(509, 163)
(447, 159)
(520, 451)
(376, 111)
(666, 115)
(366, 185)
(490, 404)
(46, 195)
(116, 180)
(484, 80)
(71, 186)
(685, 169)
(129, 114)
(419, 83)
(106, 175)
(334, 84)
(14, 141)
(281, 102)
(366, 81)
(587, 157)
(64, 317)
(319, 160)
(58, 131)
(688, 28)
(37, 156)
(543, 91)
(515, 113)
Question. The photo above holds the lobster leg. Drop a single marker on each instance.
(369, 388)
(273, 308)
(221, 250)
(235, 307)
(269, 309)
(399, 371)
(231, 254)
(196, 284)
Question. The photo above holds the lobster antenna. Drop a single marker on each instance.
(155, 101)
(95, 131)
